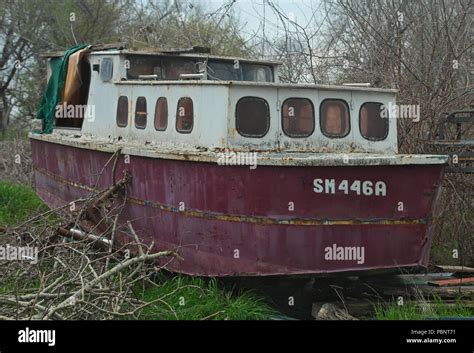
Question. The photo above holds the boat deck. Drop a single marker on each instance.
(201, 154)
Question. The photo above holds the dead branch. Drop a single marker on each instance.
(89, 262)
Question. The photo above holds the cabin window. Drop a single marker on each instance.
(161, 114)
(252, 117)
(224, 71)
(372, 125)
(106, 69)
(334, 118)
(159, 68)
(140, 113)
(297, 117)
(143, 65)
(173, 68)
(236, 71)
(257, 73)
(185, 115)
(122, 111)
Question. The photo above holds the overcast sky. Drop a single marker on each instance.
(251, 13)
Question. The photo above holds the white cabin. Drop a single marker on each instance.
(194, 102)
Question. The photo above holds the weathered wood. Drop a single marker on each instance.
(452, 282)
(455, 269)
(422, 279)
(446, 303)
(195, 49)
(100, 47)
(95, 47)
(51, 54)
(99, 242)
(330, 311)
(358, 309)
(426, 291)
(415, 286)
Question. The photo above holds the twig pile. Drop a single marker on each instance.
(83, 270)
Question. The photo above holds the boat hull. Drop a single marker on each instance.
(272, 220)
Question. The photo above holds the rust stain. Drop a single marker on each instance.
(131, 111)
(242, 218)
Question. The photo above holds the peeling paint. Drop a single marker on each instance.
(177, 152)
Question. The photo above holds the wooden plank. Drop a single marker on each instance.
(423, 279)
(361, 308)
(455, 269)
(452, 282)
(101, 47)
(442, 292)
(330, 311)
(52, 54)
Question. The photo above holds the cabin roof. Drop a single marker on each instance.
(258, 84)
(194, 52)
(196, 55)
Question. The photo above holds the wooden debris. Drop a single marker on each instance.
(442, 292)
(359, 301)
(329, 311)
(355, 307)
(452, 282)
(99, 242)
(455, 269)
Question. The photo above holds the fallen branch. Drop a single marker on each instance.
(118, 268)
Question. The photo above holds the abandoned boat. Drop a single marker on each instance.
(244, 175)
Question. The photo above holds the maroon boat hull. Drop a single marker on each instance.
(235, 221)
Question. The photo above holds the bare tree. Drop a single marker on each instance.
(182, 24)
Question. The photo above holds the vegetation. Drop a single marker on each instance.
(437, 309)
(18, 203)
(191, 298)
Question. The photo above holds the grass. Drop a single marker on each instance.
(12, 134)
(436, 309)
(443, 253)
(17, 203)
(190, 298)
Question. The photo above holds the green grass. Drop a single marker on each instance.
(443, 253)
(437, 309)
(7, 286)
(188, 298)
(18, 203)
(12, 134)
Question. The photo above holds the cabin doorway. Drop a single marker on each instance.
(74, 108)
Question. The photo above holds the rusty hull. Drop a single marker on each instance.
(235, 221)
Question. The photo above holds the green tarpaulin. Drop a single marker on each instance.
(54, 88)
